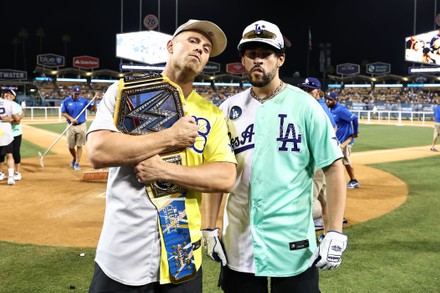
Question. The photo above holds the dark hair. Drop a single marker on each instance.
(260, 45)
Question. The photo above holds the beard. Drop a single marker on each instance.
(260, 81)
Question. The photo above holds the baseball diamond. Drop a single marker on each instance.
(55, 206)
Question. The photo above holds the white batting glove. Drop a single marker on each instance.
(212, 245)
(328, 255)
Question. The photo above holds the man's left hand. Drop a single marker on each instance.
(212, 246)
(328, 255)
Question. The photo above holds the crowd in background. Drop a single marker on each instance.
(52, 93)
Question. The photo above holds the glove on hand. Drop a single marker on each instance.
(328, 254)
(212, 245)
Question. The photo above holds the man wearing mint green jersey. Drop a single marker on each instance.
(279, 134)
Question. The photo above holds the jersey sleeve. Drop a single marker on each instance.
(218, 147)
(324, 145)
(104, 115)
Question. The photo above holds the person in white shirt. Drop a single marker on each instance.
(8, 113)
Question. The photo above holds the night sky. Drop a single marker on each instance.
(358, 32)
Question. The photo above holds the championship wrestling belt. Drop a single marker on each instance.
(148, 103)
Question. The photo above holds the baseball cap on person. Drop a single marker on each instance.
(210, 29)
(435, 38)
(311, 83)
(331, 96)
(266, 32)
(76, 89)
(11, 91)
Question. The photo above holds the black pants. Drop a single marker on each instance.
(16, 145)
(237, 282)
(101, 283)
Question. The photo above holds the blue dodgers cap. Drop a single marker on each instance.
(331, 96)
(76, 89)
(311, 83)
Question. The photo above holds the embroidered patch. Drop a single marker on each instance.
(235, 113)
(299, 244)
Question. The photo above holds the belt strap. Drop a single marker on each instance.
(176, 235)
(148, 103)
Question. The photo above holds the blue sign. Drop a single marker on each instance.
(347, 69)
(378, 68)
(50, 60)
(211, 67)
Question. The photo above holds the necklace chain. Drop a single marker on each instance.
(269, 96)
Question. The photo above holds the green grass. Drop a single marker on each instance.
(376, 137)
(55, 127)
(397, 252)
(32, 268)
(30, 150)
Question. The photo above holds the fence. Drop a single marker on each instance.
(368, 116)
(395, 117)
(46, 114)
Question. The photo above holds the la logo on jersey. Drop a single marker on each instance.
(288, 139)
(235, 113)
(288, 135)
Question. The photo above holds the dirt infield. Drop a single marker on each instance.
(53, 206)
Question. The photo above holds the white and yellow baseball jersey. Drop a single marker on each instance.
(129, 248)
(268, 227)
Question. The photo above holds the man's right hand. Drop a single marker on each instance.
(185, 132)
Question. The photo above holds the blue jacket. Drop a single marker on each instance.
(346, 121)
(73, 108)
(437, 114)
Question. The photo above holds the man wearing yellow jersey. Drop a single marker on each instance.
(128, 256)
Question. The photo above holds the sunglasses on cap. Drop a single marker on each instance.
(262, 34)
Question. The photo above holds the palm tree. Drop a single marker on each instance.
(40, 33)
(23, 34)
(66, 39)
(364, 64)
(15, 43)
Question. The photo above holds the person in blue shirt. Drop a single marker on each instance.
(347, 130)
(76, 134)
(436, 127)
(312, 86)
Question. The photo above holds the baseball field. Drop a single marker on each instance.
(52, 206)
